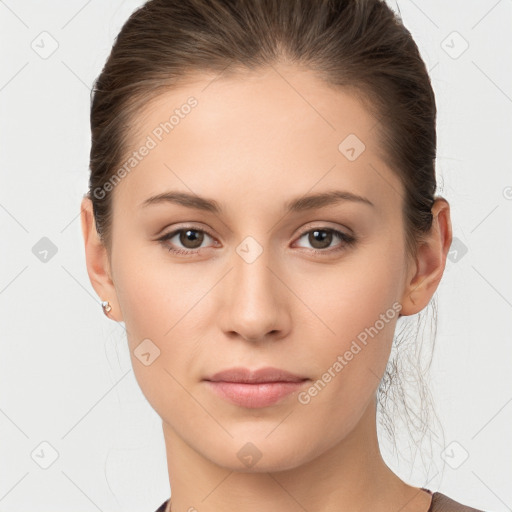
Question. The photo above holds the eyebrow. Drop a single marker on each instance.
(299, 204)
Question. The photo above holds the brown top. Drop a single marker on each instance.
(440, 503)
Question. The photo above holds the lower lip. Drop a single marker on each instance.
(252, 396)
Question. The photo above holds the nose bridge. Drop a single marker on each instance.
(253, 279)
(252, 305)
(251, 272)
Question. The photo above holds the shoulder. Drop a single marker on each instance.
(442, 503)
(162, 507)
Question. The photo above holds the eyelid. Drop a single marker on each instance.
(324, 225)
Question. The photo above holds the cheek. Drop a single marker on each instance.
(153, 292)
(351, 296)
(161, 302)
(358, 305)
(362, 310)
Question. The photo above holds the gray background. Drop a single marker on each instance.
(66, 378)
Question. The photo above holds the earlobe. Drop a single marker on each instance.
(430, 261)
(97, 261)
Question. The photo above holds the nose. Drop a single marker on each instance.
(254, 300)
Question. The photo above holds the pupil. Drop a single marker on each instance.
(323, 236)
(191, 236)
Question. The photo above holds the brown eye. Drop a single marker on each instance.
(184, 241)
(191, 238)
(320, 238)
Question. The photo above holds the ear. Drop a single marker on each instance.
(97, 260)
(430, 261)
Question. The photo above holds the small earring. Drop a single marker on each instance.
(106, 307)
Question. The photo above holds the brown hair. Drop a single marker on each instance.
(356, 45)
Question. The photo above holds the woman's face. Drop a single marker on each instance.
(256, 283)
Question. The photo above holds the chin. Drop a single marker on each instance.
(259, 455)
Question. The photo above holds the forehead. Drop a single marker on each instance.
(281, 128)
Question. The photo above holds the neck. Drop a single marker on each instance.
(352, 474)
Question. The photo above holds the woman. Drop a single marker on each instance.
(261, 213)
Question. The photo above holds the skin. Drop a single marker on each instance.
(253, 143)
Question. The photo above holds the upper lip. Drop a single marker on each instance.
(245, 375)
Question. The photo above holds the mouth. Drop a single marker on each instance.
(254, 389)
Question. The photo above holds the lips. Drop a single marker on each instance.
(255, 388)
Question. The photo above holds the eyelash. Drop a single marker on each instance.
(348, 241)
